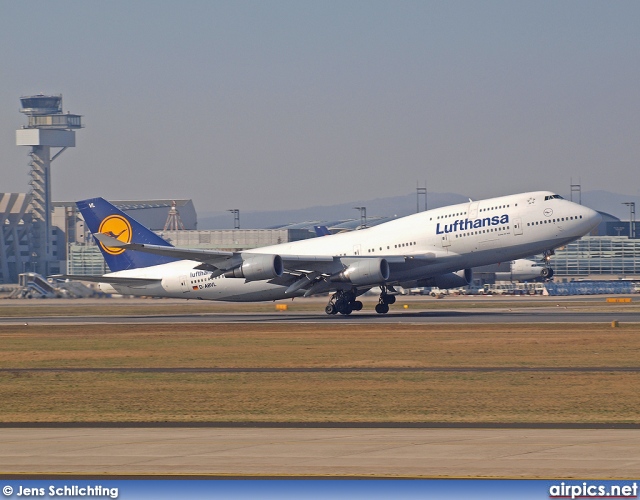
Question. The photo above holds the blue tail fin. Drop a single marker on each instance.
(321, 230)
(102, 217)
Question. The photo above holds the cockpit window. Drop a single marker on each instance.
(553, 196)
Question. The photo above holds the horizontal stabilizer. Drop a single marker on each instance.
(113, 280)
(110, 241)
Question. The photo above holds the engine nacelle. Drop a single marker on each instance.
(450, 280)
(364, 272)
(260, 267)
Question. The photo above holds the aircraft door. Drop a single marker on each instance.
(184, 283)
(517, 227)
(446, 243)
(356, 249)
(473, 211)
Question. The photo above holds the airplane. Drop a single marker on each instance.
(434, 248)
(522, 270)
(517, 270)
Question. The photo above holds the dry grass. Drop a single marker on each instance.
(415, 397)
(380, 396)
(308, 345)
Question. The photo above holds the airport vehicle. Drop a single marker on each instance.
(514, 289)
(432, 248)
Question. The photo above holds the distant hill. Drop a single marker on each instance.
(611, 203)
(388, 207)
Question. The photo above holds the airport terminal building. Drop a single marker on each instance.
(598, 257)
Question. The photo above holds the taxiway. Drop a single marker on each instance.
(321, 452)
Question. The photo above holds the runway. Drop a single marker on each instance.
(408, 310)
(454, 316)
(322, 452)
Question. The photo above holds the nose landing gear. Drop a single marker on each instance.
(547, 272)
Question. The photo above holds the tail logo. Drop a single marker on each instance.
(118, 227)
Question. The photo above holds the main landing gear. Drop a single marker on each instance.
(343, 302)
(385, 300)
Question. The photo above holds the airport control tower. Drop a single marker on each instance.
(48, 128)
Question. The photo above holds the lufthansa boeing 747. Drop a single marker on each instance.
(432, 248)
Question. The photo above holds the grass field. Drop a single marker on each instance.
(461, 396)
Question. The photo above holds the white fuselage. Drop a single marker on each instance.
(456, 237)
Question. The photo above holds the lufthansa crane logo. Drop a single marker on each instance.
(118, 227)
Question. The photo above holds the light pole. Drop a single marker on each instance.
(632, 218)
(236, 217)
(421, 191)
(576, 188)
(363, 216)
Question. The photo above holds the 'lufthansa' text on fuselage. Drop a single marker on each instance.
(466, 224)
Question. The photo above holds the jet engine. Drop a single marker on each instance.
(364, 272)
(260, 267)
(449, 280)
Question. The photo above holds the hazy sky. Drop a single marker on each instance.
(263, 105)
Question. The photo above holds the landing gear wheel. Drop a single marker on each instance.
(389, 299)
(346, 309)
(385, 300)
(343, 302)
(382, 308)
